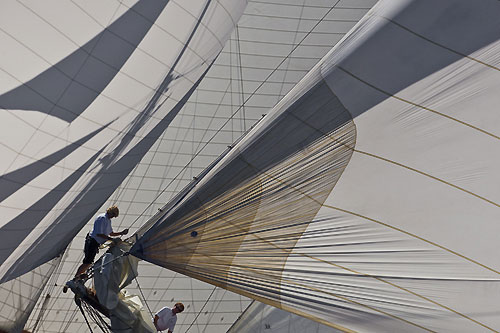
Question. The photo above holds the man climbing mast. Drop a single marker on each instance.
(100, 233)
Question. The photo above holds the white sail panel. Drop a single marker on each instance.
(19, 296)
(83, 118)
(383, 221)
(260, 317)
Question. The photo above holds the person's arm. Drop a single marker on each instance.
(155, 321)
(124, 232)
(105, 236)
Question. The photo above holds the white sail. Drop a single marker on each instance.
(78, 117)
(19, 296)
(366, 199)
(291, 37)
(260, 317)
(86, 89)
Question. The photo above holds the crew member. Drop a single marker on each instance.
(101, 232)
(166, 318)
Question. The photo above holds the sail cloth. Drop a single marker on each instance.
(112, 273)
(367, 199)
(81, 107)
(260, 317)
(19, 296)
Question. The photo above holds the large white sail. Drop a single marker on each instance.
(274, 46)
(78, 117)
(366, 199)
(86, 89)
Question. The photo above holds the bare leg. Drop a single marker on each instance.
(82, 269)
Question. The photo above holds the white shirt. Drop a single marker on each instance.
(166, 319)
(102, 225)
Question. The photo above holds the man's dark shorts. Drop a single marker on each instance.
(91, 248)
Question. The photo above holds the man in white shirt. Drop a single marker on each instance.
(166, 318)
(100, 233)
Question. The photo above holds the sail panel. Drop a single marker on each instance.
(259, 317)
(93, 85)
(19, 296)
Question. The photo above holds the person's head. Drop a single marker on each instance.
(178, 308)
(112, 212)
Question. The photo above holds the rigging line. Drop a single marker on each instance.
(288, 44)
(214, 76)
(285, 30)
(172, 279)
(40, 319)
(231, 82)
(192, 297)
(192, 129)
(49, 288)
(140, 289)
(72, 316)
(71, 313)
(242, 313)
(438, 44)
(289, 54)
(195, 318)
(172, 157)
(290, 59)
(308, 6)
(91, 314)
(418, 105)
(240, 65)
(215, 306)
(94, 266)
(345, 268)
(97, 318)
(142, 178)
(260, 54)
(85, 317)
(302, 18)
